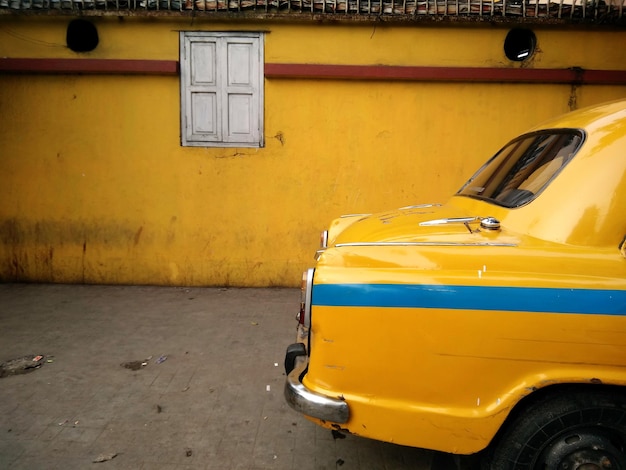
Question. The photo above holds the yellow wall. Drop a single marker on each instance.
(96, 188)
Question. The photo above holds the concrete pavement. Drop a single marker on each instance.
(209, 395)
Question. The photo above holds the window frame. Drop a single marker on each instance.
(219, 96)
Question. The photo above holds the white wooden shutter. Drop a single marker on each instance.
(202, 92)
(221, 89)
(241, 90)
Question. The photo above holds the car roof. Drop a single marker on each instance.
(591, 118)
(584, 204)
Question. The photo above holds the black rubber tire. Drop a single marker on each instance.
(565, 430)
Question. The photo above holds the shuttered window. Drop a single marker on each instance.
(221, 89)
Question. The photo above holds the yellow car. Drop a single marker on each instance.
(494, 323)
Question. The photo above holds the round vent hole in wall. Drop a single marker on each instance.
(519, 44)
(82, 36)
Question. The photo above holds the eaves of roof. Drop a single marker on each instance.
(549, 12)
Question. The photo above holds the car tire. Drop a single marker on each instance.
(570, 429)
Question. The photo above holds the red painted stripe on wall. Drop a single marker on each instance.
(104, 66)
(326, 71)
(460, 74)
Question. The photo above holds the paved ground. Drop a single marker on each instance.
(214, 401)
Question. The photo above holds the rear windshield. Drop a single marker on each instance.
(522, 169)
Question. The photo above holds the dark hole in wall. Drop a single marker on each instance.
(82, 36)
(519, 44)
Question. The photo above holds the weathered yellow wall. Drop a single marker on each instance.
(96, 188)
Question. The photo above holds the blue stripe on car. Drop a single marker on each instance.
(519, 299)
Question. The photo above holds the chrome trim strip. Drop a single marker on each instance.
(312, 403)
(307, 297)
(353, 215)
(451, 220)
(339, 245)
(420, 206)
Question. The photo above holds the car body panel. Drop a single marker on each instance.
(406, 357)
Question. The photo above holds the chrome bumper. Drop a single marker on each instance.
(311, 403)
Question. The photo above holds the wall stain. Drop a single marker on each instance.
(138, 235)
(171, 231)
(280, 137)
(83, 261)
(48, 232)
(103, 251)
(57, 250)
(572, 103)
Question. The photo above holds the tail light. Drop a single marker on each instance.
(306, 289)
(323, 244)
(324, 239)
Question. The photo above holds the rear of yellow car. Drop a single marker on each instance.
(495, 321)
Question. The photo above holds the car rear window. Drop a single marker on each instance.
(524, 167)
